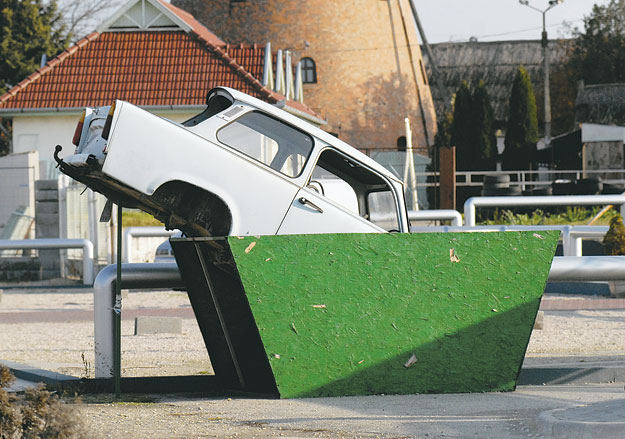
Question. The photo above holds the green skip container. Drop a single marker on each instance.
(361, 314)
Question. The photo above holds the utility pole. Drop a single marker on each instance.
(545, 49)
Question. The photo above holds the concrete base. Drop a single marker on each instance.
(537, 371)
(617, 288)
(146, 325)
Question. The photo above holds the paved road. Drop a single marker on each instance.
(546, 411)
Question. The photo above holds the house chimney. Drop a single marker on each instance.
(279, 86)
(268, 68)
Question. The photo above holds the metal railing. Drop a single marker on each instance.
(52, 243)
(162, 275)
(553, 200)
(523, 178)
(587, 268)
(435, 215)
(130, 233)
(571, 235)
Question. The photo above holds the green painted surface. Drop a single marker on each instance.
(343, 314)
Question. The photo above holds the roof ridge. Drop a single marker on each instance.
(49, 66)
(192, 22)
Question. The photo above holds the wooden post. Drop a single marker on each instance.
(447, 178)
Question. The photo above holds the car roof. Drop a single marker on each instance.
(311, 129)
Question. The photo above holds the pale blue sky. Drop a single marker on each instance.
(491, 20)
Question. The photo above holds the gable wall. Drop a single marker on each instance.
(43, 132)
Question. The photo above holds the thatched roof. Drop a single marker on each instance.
(495, 63)
(602, 104)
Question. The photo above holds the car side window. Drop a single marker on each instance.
(355, 187)
(382, 210)
(270, 141)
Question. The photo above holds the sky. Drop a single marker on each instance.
(492, 20)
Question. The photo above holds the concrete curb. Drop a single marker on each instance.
(600, 420)
(536, 376)
(32, 374)
(529, 376)
(537, 371)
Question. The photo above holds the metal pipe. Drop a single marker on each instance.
(554, 200)
(141, 232)
(587, 268)
(117, 310)
(578, 232)
(54, 243)
(433, 215)
(571, 235)
(162, 275)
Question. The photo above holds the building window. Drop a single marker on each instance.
(309, 71)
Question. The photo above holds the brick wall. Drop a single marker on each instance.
(367, 55)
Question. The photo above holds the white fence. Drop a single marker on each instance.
(524, 179)
(79, 211)
(18, 173)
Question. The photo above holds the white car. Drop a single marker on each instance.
(241, 167)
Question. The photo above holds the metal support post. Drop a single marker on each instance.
(117, 308)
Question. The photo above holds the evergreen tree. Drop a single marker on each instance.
(461, 127)
(522, 127)
(599, 53)
(614, 239)
(28, 29)
(443, 133)
(483, 131)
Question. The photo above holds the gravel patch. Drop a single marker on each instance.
(575, 333)
(67, 347)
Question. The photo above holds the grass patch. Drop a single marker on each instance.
(569, 216)
(125, 399)
(137, 218)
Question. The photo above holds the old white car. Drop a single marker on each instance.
(241, 167)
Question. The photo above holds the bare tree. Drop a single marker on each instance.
(82, 17)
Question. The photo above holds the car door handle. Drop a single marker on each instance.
(309, 203)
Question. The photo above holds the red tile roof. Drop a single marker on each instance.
(145, 68)
(148, 68)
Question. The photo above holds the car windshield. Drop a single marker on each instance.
(270, 141)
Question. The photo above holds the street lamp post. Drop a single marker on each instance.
(545, 46)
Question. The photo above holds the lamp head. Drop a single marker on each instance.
(555, 2)
(524, 2)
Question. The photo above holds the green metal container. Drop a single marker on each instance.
(359, 314)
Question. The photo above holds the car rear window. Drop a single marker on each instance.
(270, 141)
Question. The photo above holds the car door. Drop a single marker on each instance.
(311, 212)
